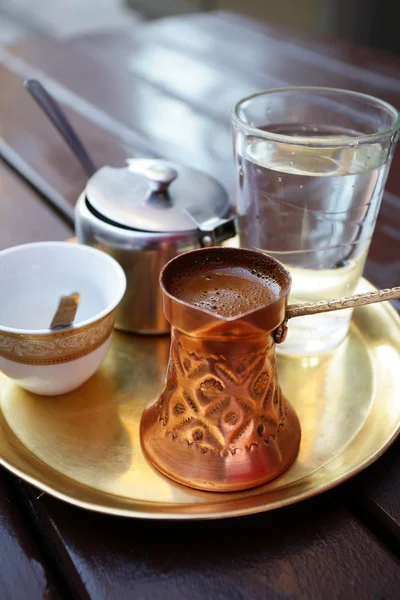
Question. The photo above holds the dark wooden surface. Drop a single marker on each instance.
(314, 550)
(24, 572)
(23, 215)
(166, 89)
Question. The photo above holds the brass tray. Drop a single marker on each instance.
(84, 447)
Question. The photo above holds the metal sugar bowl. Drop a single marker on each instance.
(143, 215)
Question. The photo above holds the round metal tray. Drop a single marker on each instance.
(84, 447)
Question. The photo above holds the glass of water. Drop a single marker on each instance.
(311, 168)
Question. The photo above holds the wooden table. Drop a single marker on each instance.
(166, 89)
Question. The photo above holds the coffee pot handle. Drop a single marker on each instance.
(322, 306)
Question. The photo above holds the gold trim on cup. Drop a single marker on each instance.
(56, 347)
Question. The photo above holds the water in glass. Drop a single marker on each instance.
(314, 208)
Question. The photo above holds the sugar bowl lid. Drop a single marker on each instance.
(157, 196)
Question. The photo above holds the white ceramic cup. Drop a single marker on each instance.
(33, 277)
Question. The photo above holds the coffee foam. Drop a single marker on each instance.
(219, 285)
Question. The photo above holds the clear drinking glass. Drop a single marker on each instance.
(311, 168)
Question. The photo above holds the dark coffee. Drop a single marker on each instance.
(226, 290)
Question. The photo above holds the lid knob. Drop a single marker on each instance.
(160, 176)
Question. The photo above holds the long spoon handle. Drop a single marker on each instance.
(60, 120)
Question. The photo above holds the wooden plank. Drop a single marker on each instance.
(312, 550)
(24, 574)
(374, 496)
(351, 55)
(23, 215)
(383, 264)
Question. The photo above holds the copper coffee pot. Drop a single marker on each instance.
(222, 423)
